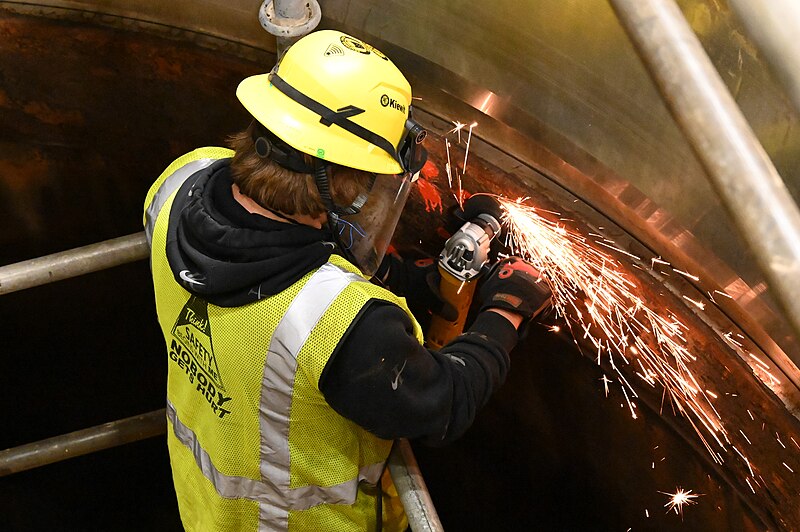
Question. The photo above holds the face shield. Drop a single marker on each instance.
(366, 235)
(365, 228)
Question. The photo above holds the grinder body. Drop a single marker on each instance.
(460, 265)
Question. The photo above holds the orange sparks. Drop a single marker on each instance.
(687, 274)
(466, 152)
(679, 499)
(454, 175)
(605, 380)
(598, 301)
(457, 129)
(698, 304)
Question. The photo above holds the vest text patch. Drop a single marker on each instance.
(192, 350)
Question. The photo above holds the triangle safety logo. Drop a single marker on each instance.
(193, 352)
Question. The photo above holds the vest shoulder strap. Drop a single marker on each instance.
(173, 177)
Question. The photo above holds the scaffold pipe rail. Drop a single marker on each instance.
(81, 442)
(736, 164)
(73, 263)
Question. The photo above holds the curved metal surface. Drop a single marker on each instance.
(738, 168)
(774, 25)
(559, 86)
(562, 104)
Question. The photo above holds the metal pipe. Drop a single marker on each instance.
(774, 25)
(411, 487)
(291, 9)
(82, 442)
(72, 263)
(736, 165)
(289, 20)
(402, 464)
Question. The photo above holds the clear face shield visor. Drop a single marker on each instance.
(366, 235)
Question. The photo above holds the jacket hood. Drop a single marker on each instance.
(228, 256)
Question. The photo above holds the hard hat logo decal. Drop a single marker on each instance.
(333, 49)
(351, 43)
(391, 102)
(354, 44)
(320, 153)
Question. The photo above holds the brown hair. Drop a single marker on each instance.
(274, 187)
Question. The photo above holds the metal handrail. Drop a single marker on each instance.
(72, 263)
(735, 162)
(87, 259)
(78, 443)
(407, 478)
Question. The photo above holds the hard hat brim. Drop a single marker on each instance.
(301, 128)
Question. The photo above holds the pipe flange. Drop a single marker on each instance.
(288, 27)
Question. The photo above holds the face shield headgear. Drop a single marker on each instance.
(366, 234)
(364, 229)
(341, 101)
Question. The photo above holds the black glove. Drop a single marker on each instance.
(417, 281)
(475, 205)
(516, 286)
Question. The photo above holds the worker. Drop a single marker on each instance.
(290, 374)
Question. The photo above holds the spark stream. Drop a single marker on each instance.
(592, 292)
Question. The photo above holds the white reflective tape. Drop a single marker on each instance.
(167, 188)
(303, 314)
(227, 486)
(233, 487)
(273, 492)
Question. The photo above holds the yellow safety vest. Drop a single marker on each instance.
(253, 444)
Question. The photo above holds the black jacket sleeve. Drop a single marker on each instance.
(382, 378)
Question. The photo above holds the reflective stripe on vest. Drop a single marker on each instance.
(273, 492)
(167, 188)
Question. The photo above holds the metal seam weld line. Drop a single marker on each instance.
(736, 164)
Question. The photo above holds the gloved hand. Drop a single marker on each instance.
(418, 281)
(475, 205)
(514, 285)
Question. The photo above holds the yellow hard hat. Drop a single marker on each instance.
(336, 98)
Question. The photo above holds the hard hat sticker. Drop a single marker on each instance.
(354, 44)
(351, 43)
(334, 49)
(386, 101)
(320, 153)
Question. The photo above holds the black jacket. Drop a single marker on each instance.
(379, 376)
